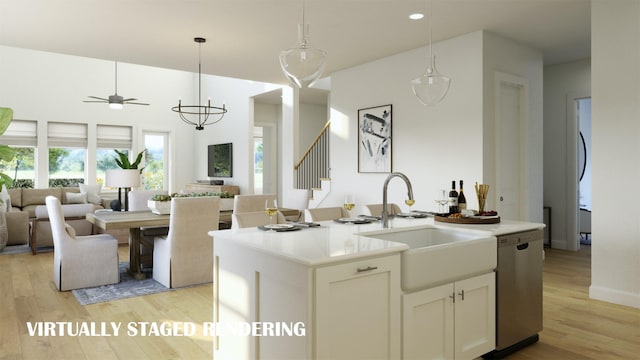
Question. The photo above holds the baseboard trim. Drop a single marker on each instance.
(614, 296)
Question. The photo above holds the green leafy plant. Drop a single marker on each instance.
(6, 153)
(159, 197)
(222, 195)
(123, 160)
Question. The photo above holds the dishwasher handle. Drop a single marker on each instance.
(522, 246)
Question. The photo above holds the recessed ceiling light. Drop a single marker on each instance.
(416, 16)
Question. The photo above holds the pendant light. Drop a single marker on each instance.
(202, 112)
(303, 65)
(432, 86)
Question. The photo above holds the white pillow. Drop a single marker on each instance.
(76, 198)
(92, 191)
(5, 204)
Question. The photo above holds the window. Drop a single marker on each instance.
(67, 153)
(110, 138)
(155, 173)
(21, 136)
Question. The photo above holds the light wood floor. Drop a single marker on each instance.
(575, 327)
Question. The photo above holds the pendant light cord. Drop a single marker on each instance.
(430, 33)
(116, 78)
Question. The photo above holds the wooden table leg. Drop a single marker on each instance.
(134, 254)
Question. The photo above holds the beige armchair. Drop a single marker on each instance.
(255, 218)
(185, 256)
(376, 209)
(80, 261)
(328, 213)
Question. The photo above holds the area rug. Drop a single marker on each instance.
(126, 288)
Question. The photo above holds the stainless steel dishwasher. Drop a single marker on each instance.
(518, 291)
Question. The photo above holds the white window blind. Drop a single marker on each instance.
(20, 133)
(67, 135)
(114, 137)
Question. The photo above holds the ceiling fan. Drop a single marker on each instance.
(115, 101)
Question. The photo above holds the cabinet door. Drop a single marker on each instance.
(428, 324)
(475, 316)
(358, 310)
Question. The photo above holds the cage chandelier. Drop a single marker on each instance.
(199, 115)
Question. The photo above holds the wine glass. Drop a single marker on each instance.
(271, 208)
(409, 203)
(442, 200)
(349, 203)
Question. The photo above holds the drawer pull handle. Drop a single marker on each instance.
(368, 268)
(461, 293)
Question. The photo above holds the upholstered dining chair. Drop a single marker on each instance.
(80, 261)
(254, 218)
(376, 209)
(327, 213)
(250, 203)
(185, 256)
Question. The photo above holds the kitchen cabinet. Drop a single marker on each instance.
(451, 321)
(358, 310)
(350, 309)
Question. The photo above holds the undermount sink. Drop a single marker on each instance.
(438, 256)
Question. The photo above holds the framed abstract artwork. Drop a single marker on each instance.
(374, 139)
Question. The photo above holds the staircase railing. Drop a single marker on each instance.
(314, 164)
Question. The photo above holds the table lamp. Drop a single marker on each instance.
(123, 179)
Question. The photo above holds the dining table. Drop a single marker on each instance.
(135, 221)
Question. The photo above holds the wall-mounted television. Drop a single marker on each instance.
(220, 160)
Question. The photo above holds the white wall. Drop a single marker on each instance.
(313, 117)
(51, 87)
(433, 145)
(236, 127)
(561, 82)
(615, 257)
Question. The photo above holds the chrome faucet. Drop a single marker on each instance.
(385, 211)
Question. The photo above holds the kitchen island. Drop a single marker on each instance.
(336, 292)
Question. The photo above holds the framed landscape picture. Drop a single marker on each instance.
(374, 139)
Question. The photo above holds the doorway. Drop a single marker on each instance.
(583, 112)
(264, 159)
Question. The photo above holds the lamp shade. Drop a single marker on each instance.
(122, 178)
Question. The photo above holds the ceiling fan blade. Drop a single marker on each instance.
(94, 101)
(134, 103)
(99, 98)
(129, 99)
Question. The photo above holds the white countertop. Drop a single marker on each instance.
(336, 242)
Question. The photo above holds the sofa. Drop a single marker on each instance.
(28, 220)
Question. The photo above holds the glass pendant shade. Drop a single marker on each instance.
(431, 87)
(303, 65)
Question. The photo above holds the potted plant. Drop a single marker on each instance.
(160, 204)
(127, 177)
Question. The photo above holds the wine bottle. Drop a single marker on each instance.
(462, 200)
(453, 199)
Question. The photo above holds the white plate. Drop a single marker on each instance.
(278, 226)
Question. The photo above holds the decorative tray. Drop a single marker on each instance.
(469, 220)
